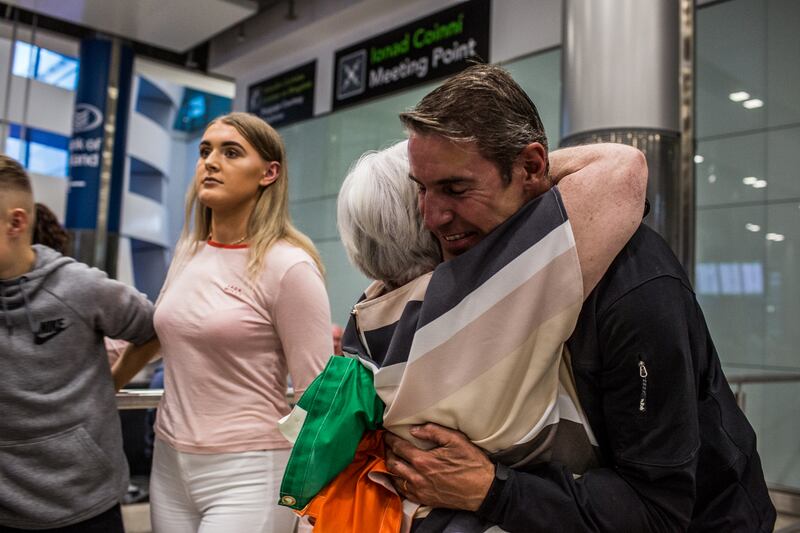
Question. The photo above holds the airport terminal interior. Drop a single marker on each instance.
(713, 101)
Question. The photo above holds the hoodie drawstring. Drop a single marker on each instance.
(5, 308)
(27, 304)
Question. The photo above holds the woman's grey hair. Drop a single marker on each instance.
(379, 219)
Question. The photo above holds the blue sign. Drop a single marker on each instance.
(88, 125)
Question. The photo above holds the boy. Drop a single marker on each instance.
(61, 461)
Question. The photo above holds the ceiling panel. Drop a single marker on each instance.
(175, 25)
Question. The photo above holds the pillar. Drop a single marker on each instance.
(622, 83)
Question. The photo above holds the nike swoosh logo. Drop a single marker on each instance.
(41, 338)
(52, 328)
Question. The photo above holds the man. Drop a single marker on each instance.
(61, 460)
(677, 453)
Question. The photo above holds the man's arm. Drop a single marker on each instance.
(650, 485)
(132, 361)
(603, 188)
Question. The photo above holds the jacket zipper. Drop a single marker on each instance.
(643, 395)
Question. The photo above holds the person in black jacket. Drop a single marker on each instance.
(677, 452)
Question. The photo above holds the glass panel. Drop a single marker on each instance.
(24, 58)
(748, 214)
(56, 69)
(734, 170)
(782, 335)
(41, 152)
(47, 160)
(50, 67)
(730, 279)
(15, 148)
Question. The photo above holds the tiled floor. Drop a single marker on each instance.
(137, 519)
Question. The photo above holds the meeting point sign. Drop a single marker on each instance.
(432, 47)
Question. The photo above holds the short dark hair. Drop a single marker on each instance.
(13, 176)
(481, 104)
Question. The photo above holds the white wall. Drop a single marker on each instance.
(172, 80)
(184, 157)
(52, 192)
(149, 142)
(48, 108)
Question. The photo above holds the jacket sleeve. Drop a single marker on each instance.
(649, 408)
(112, 308)
(302, 318)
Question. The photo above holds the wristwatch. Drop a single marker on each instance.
(489, 507)
(501, 472)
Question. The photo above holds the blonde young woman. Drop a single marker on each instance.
(243, 305)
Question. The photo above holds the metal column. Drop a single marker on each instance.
(622, 83)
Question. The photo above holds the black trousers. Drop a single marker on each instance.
(108, 522)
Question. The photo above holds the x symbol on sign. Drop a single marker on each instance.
(351, 74)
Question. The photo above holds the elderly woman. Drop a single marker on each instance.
(379, 220)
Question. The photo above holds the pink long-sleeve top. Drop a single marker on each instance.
(229, 342)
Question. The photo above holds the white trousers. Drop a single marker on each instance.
(218, 493)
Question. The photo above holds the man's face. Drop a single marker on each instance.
(462, 196)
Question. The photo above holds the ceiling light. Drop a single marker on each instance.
(760, 184)
(752, 227)
(755, 103)
(699, 158)
(712, 178)
(739, 96)
(749, 180)
(777, 237)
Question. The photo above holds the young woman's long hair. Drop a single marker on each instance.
(269, 221)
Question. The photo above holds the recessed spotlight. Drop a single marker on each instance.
(739, 96)
(699, 158)
(749, 180)
(755, 103)
(776, 237)
(760, 184)
(712, 178)
(752, 227)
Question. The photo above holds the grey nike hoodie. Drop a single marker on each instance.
(61, 458)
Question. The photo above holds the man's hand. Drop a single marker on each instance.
(455, 474)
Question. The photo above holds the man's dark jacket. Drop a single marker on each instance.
(678, 453)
